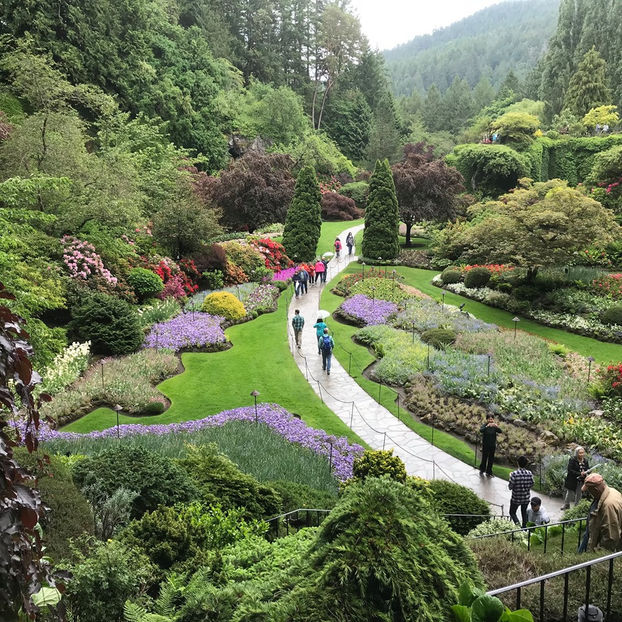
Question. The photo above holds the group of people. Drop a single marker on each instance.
(604, 525)
(325, 341)
(313, 272)
(349, 243)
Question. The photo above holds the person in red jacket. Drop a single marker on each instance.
(337, 246)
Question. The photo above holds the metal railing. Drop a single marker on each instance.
(588, 594)
(542, 534)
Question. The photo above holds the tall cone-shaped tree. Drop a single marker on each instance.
(380, 238)
(303, 223)
(588, 87)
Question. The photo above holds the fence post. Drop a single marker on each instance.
(476, 445)
(398, 407)
(433, 469)
(319, 386)
(379, 390)
(352, 415)
(349, 363)
(306, 369)
(384, 441)
(330, 458)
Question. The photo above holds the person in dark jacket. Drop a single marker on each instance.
(489, 431)
(577, 470)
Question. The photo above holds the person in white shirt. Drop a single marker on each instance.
(536, 514)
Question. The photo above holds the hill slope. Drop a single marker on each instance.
(507, 36)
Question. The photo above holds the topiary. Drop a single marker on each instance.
(379, 463)
(439, 337)
(225, 304)
(451, 498)
(110, 324)
(146, 284)
(612, 315)
(157, 479)
(476, 277)
(451, 275)
(153, 408)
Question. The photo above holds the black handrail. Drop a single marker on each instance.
(563, 524)
(565, 572)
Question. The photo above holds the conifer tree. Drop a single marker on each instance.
(433, 109)
(588, 86)
(304, 217)
(380, 238)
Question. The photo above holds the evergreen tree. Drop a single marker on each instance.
(304, 221)
(458, 105)
(510, 87)
(384, 138)
(483, 93)
(588, 86)
(433, 109)
(380, 238)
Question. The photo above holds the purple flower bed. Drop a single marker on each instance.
(188, 330)
(284, 275)
(274, 416)
(368, 310)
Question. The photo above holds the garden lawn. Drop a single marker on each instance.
(356, 359)
(604, 353)
(330, 230)
(213, 382)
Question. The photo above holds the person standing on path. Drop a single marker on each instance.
(298, 323)
(489, 431)
(304, 279)
(605, 518)
(326, 343)
(319, 326)
(575, 476)
(350, 242)
(325, 270)
(296, 282)
(521, 482)
(337, 246)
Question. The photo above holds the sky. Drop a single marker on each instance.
(387, 23)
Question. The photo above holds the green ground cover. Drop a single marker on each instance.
(212, 382)
(330, 230)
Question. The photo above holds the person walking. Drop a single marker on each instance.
(298, 323)
(536, 514)
(605, 518)
(304, 279)
(319, 271)
(337, 246)
(521, 482)
(325, 262)
(575, 476)
(296, 281)
(326, 343)
(350, 242)
(489, 431)
(319, 326)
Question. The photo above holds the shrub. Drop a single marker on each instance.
(214, 279)
(338, 207)
(380, 287)
(123, 571)
(526, 292)
(244, 256)
(477, 277)
(69, 513)
(159, 311)
(110, 324)
(581, 510)
(296, 496)
(439, 337)
(379, 463)
(66, 367)
(224, 304)
(220, 482)
(156, 479)
(451, 498)
(357, 191)
(145, 283)
(210, 257)
(612, 315)
(451, 275)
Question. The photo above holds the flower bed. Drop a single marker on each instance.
(188, 331)
(367, 311)
(263, 299)
(272, 415)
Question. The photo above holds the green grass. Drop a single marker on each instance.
(257, 450)
(212, 382)
(330, 230)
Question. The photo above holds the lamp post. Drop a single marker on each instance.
(413, 332)
(117, 409)
(428, 356)
(255, 394)
(516, 320)
(489, 357)
(590, 360)
(393, 277)
(373, 295)
(363, 264)
(443, 301)
(102, 368)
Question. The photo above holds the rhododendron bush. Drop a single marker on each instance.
(274, 253)
(83, 262)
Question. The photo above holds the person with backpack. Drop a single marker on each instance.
(319, 326)
(350, 242)
(326, 343)
(337, 246)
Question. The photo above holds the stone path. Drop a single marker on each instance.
(374, 423)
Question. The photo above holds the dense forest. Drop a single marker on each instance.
(490, 43)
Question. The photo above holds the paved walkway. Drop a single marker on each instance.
(378, 427)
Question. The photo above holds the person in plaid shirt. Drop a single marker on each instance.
(298, 323)
(520, 484)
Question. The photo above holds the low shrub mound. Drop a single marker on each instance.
(439, 337)
(356, 190)
(381, 463)
(451, 498)
(451, 275)
(224, 304)
(476, 277)
(336, 206)
(612, 315)
(145, 283)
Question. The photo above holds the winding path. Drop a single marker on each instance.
(374, 423)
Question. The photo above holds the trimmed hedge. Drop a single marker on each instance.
(451, 498)
(225, 304)
(477, 277)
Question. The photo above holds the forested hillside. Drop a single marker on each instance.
(490, 43)
(583, 24)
